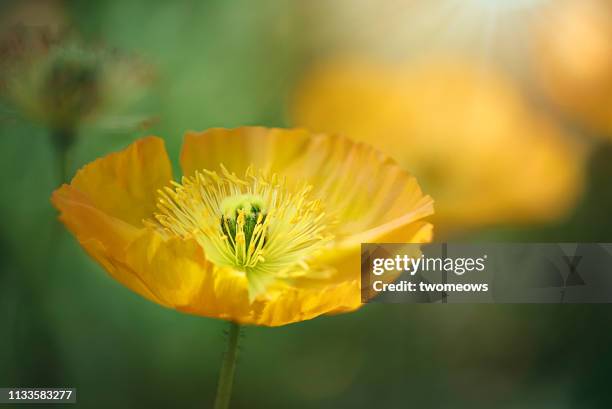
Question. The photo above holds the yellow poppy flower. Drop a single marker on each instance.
(573, 59)
(264, 228)
(463, 130)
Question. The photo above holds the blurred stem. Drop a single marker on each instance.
(62, 140)
(228, 367)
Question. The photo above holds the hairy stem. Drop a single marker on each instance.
(228, 368)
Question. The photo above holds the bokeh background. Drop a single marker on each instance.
(501, 108)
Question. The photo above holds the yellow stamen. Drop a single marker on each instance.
(258, 224)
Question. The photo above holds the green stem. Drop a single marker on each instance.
(228, 367)
(62, 140)
(63, 165)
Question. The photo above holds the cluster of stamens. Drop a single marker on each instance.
(257, 224)
(244, 225)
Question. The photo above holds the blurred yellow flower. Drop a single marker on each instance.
(264, 228)
(463, 130)
(573, 59)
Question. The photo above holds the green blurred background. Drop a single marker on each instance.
(64, 322)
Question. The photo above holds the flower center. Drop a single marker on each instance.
(256, 224)
(243, 223)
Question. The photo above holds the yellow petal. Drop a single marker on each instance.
(363, 188)
(177, 274)
(270, 150)
(124, 184)
(295, 305)
(224, 294)
(103, 237)
(173, 269)
(346, 262)
(106, 201)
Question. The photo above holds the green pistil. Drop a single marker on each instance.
(252, 206)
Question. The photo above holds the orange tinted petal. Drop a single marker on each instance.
(270, 150)
(103, 237)
(347, 261)
(106, 201)
(124, 184)
(363, 188)
(224, 294)
(173, 269)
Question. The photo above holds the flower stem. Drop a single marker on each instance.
(63, 165)
(228, 367)
(63, 140)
